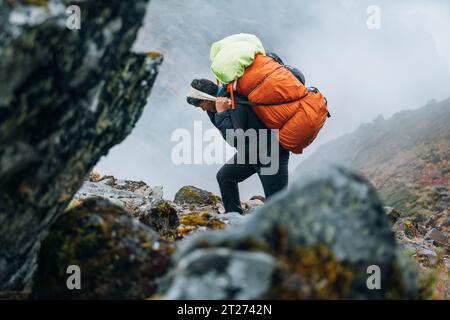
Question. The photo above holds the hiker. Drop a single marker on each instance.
(242, 117)
(275, 91)
(263, 92)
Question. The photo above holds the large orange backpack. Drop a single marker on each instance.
(282, 102)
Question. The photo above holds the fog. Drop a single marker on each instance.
(362, 72)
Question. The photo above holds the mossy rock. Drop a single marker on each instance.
(193, 195)
(323, 233)
(192, 221)
(92, 87)
(119, 257)
(163, 218)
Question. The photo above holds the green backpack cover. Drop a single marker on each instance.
(231, 55)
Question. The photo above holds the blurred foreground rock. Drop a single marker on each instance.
(315, 240)
(66, 97)
(119, 257)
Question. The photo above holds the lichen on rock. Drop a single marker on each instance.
(193, 195)
(162, 217)
(119, 257)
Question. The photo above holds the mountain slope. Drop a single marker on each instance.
(407, 157)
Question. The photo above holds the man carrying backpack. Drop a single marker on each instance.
(264, 93)
(242, 118)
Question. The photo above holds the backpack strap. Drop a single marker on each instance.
(310, 89)
(230, 89)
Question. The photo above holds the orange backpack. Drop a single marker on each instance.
(282, 102)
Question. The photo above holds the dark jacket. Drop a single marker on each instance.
(242, 117)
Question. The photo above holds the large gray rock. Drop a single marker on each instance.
(66, 97)
(241, 274)
(323, 233)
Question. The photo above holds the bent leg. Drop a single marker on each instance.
(228, 178)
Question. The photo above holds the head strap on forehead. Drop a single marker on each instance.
(197, 94)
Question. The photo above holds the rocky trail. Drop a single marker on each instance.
(189, 262)
(192, 210)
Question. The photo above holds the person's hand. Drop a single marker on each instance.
(222, 104)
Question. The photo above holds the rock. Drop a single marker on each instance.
(409, 226)
(447, 263)
(134, 196)
(193, 195)
(244, 275)
(446, 222)
(157, 192)
(436, 236)
(95, 176)
(137, 198)
(119, 257)
(323, 234)
(66, 97)
(392, 213)
(251, 205)
(199, 221)
(233, 218)
(162, 217)
(427, 257)
(257, 197)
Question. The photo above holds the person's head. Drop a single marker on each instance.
(205, 86)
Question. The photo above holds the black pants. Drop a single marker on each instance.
(232, 173)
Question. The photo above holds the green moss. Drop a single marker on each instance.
(192, 195)
(191, 222)
(73, 203)
(312, 273)
(163, 218)
(40, 3)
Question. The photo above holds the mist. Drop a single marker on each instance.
(363, 73)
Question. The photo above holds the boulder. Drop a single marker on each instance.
(162, 217)
(95, 175)
(251, 205)
(119, 257)
(193, 195)
(241, 274)
(317, 240)
(436, 236)
(66, 97)
(134, 196)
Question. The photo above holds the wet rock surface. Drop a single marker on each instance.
(118, 256)
(173, 221)
(193, 195)
(66, 97)
(322, 234)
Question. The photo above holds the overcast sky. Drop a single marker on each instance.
(362, 72)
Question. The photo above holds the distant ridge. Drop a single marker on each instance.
(406, 157)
